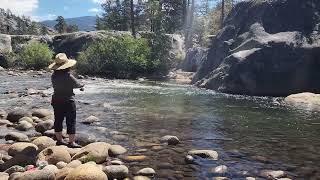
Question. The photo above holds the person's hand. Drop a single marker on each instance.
(82, 89)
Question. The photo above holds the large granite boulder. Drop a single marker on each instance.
(306, 101)
(5, 43)
(265, 49)
(194, 58)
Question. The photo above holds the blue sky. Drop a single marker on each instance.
(40, 10)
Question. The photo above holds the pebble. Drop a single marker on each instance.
(207, 154)
(146, 172)
(116, 171)
(134, 158)
(170, 140)
(272, 174)
(116, 150)
(219, 170)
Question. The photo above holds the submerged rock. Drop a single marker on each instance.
(134, 158)
(272, 174)
(171, 140)
(90, 120)
(208, 154)
(219, 170)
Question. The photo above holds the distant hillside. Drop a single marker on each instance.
(85, 23)
(16, 25)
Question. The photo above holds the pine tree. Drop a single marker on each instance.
(72, 28)
(61, 25)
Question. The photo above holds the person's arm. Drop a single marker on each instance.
(75, 83)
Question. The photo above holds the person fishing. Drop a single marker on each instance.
(63, 101)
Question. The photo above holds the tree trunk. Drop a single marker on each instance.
(132, 19)
(189, 27)
(222, 12)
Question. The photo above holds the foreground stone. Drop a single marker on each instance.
(15, 136)
(97, 152)
(208, 154)
(14, 169)
(19, 159)
(22, 148)
(308, 101)
(35, 175)
(43, 142)
(4, 176)
(87, 171)
(24, 126)
(116, 171)
(116, 150)
(54, 154)
(41, 113)
(17, 114)
(62, 173)
(43, 126)
(171, 140)
(219, 170)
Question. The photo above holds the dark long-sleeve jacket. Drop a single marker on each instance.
(63, 83)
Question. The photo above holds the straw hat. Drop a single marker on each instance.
(62, 62)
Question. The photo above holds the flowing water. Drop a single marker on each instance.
(249, 133)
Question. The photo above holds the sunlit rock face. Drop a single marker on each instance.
(265, 48)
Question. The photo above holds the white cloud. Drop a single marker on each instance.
(20, 7)
(94, 10)
(43, 18)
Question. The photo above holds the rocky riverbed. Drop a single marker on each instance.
(154, 130)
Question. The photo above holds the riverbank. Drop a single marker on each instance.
(243, 130)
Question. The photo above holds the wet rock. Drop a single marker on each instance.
(17, 114)
(24, 126)
(219, 170)
(171, 140)
(88, 172)
(14, 169)
(116, 150)
(147, 172)
(74, 164)
(51, 168)
(141, 178)
(22, 148)
(120, 137)
(35, 119)
(165, 165)
(44, 126)
(61, 165)
(41, 113)
(85, 139)
(272, 174)
(15, 136)
(4, 176)
(97, 152)
(62, 173)
(309, 101)
(36, 174)
(134, 158)
(116, 171)
(90, 120)
(208, 154)
(43, 142)
(54, 154)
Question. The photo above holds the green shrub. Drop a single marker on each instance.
(35, 55)
(119, 57)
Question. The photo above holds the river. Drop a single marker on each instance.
(249, 133)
